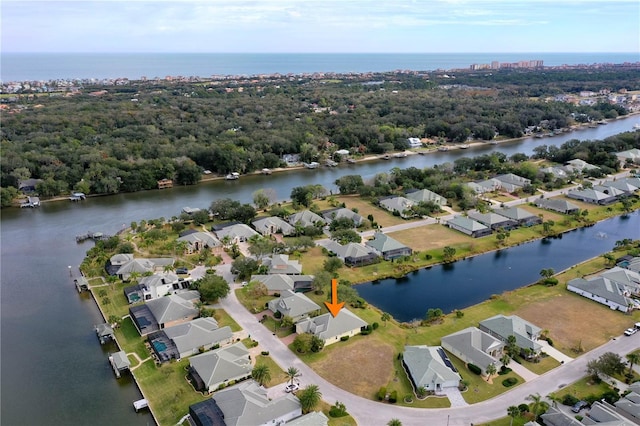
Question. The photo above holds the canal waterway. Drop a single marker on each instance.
(468, 282)
(55, 372)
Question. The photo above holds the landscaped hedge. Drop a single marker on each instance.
(382, 393)
(393, 398)
(509, 382)
(474, 369)
(344, 338)
(504, 370)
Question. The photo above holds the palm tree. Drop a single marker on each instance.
(385, 317)
(633, 358)
(394, 422)
(491, 370)
(513, 412)
(505, 360)
(309, 397)
(554, 399)
(261, 374)
(538, 406)
(292, 374)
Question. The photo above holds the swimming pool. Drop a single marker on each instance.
(159, 346)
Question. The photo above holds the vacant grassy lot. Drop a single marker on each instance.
(582, 388)
(430, 237)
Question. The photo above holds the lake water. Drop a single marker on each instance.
(54, 371)
(471, 281)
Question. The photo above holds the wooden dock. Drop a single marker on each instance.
(140, 404)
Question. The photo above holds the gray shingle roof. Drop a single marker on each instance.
(327, 326)
(171, 308)
(196, 333)
(399, 204)
(305, 218)
(602, 287)
(466, 223)
(555, 204)
(228, 363)
(505, 326)
(272, 224)
(426, 366)
(474, 344)
(204, 238)
(238, 230)
(489, 219)
(315, 418)
(515, 213)
(293, 304)
(384, 243)
(281, 264)
(424, 195)
(333, 214)
(248, 404)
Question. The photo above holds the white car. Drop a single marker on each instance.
(630, 331)
(291, 387)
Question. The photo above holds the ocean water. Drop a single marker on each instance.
(51, 66)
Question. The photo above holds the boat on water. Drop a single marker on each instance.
(266, 171)
(232, 176)
(464, 146)
(312, 165)
(602, 122)
(400, 155)
(443, 148)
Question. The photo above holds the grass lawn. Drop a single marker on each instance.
(130, 339)
(365, 208)
(583, 388)
(336, 421)
(506, 421)
(546, 364)
(250, 302)
(224, 319)
(312, 260)
(167, 389)
(277, 374)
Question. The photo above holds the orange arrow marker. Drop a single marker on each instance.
(334, 307)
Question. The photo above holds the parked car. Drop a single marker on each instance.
(291, 387)
(630, 331)
(182, 271)
(579, 406)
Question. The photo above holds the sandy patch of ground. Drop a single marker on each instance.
(360, 367)
(430, 237)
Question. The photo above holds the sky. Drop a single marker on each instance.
(326, 26)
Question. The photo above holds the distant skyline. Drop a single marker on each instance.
(327, 26)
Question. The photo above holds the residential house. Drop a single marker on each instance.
(430, 368)
(191, 338)
(611, 190)
(512, 183)
(425, 196)
(591, 196)
(555, 417)
(490, 185)
(165, 312)
(501, 327)
(161, 284)
(124, 265)
(245, 404)
(197, 241)
(330, 215)
(630, 279)
(401, 205)
(629, 404)
(579, 165)
(280, 264)
(493, 220)
(277, 283)
(468, 226)
(387, 247)
(474, 346)
(212, 369)
(294, 305)
(628, 185)
(236, 233)
(352, 254)
(629, 262)
(628, 156)
(330, 328)
(604, 291)
(314, 418)
(28, 185)
(414, 143)
(273, 225)
(306, 218)
(522, 216)
(557, 172)
(165, 183)
(557, 205)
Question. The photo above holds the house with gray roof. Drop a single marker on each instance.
(401, 205)
(554, 417)
(501, 327)
(198, 335)
(512, 183)
(294, 305)
(628, 278)
(429, 367)
(306, 218)
(273, 225)
(212, 369)
(474, 346)
(630, 403)
(520, 215)
(330, 328)
(493, 220)
(557, 172)
(557, 205)
(626, 186)
(314, 418)
(277, 283)
(123, 265)
(425, 196)
(388, 247)
(610, 190)
(468, 226)
(482, 187)
(579, 165)
(281, 264)
(236, 233)
(165, 312)
(161, 284)
(245, 404)
(330, 215)
(353, 254)
(630, 155)
(604, 291)
(198, 240)
(591, 196)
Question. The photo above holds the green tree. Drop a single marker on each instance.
(434, 314)
(513, 412)
(633, 358)
(490, 370)
(292, 375)
(448, 253)
(212, 287)
(346, 236)
(261, 199)
(547, 273)
(538, 406)
(7, 195)
(349, 184)
(309, 398)
(261, 374)
(332, 264)
(385, 317)
(244, 267)
(302, 195)
(394, 422)
(511, 347)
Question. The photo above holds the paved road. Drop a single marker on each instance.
(367, 412)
